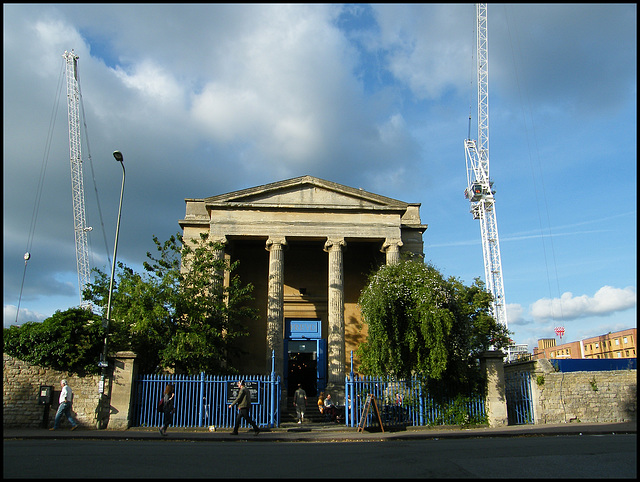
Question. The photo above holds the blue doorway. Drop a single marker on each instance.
(305, 356)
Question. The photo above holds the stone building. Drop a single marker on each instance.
(307, 245)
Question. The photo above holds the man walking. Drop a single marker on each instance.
(66, 402)
(243, 400)
(300, 402)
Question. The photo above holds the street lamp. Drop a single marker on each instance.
(103, 362)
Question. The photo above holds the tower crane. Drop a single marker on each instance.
(77, 185)
(479, 189)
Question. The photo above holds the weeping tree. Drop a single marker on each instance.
(421, 324)
(178, 314)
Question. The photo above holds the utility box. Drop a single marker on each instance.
(46, 395)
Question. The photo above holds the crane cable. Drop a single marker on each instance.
(45, 160)
(93, 176)
(43, 169)
(533, 177)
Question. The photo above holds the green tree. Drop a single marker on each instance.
(179, 313)
(422, 324)
(69, 340)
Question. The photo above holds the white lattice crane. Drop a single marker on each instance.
(77, 185)
(479, 189)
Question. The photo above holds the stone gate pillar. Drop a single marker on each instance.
(124, 373)
(275, 304)
(492, 365)
(335, 338)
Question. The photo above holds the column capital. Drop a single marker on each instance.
(222, 239)
(391, 243)
(391, 247)
(275, 241)
(333, 243)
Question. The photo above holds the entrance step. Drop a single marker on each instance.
(312, 415)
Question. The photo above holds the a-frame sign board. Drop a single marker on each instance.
(371, 401)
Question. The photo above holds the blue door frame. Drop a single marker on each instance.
(310, 331)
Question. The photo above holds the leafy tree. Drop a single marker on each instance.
(422, 324)
(69, 340)
(178, 314)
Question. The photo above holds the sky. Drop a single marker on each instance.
(208, 99)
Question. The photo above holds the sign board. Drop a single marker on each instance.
(371, 401)
(233, 390)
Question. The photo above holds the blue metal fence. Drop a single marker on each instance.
(201, 400)
(403, 402)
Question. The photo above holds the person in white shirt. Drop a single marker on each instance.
(64, 408)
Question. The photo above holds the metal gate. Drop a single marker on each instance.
(519, 400)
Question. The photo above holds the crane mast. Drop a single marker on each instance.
(77, 186)
(479, 189)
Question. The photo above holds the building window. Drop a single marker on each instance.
(625, 340)
(617, 341)
(596, 345)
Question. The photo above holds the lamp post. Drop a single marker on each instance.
(103, 362)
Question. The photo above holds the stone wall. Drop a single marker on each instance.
(20, 393)
(586, 396)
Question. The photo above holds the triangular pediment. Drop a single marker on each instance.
(305, 192)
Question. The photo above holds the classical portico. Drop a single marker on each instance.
(307, 245)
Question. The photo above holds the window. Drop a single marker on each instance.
(617, 341)
(596, 345)
(624, 340)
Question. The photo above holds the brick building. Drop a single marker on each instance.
(621, 344)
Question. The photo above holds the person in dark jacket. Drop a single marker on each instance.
(243, 400)
(168, 409)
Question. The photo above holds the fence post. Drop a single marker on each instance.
(201, 399)
(273, 388)
(349, 391)
(421, 401)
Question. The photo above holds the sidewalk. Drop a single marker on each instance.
(313, 432)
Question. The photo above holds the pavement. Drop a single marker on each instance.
(318, 432)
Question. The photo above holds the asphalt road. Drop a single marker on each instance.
(565, 456)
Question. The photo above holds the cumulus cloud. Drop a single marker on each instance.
(606, 300)
(515, 313)
(9, 316)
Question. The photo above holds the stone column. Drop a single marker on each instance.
(218, 254)
(392, 249)
(493, 367)
(275, 304)
(335, 338)
(124, 374)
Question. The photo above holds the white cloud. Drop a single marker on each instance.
(607, 300)
(152, 80)
(9, 316)
(514, 314)
(424, 47)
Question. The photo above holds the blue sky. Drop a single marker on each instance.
(208, 99)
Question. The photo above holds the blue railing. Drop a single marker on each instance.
(403, 402)
(202, 400)
(519, 398)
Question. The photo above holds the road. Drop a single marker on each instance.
(579, 456)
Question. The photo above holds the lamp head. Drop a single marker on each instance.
(118, 156)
